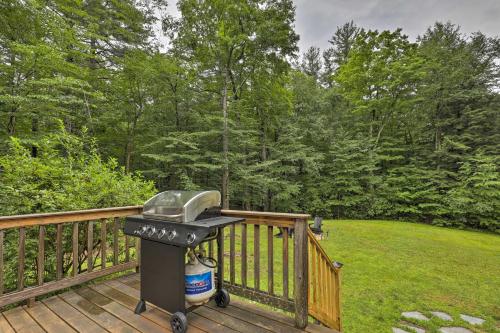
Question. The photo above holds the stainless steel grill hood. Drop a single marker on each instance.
(180, 206)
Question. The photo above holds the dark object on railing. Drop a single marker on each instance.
(337, 264)
(280, 233)
(172, 222)
(317, 229)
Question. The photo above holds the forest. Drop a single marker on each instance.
(103, 103)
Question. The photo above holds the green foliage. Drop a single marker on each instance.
(67, 174)
(378, 127)
(475, 201)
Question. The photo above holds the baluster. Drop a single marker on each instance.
(1, 261)
(256, 256)
(21, 252)
(115, 241)
(328, 287)
(310, 264)
(314, 274)
(232, 253)
(285, 263)
(75, 248)
(41, 254)
(244, 255)
(90, 246)
(336, 285)
(127, 248)
(59, 252)
(322, 281)
(103, 244)
(270, 260)
(331, 291)
(326, 295)
(320, 275)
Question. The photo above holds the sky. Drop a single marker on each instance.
(317, 20)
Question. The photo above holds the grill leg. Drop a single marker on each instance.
(220, 258)
(141, 307)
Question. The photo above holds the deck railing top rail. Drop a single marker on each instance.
(254, 214)
(28, 220)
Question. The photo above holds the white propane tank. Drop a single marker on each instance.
(200, 282)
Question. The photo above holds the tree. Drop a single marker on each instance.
(228, 41)
(379, 80)
(342, 42)
(475, 202)
(311, 62)
(37, 82)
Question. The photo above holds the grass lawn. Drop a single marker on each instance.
(391, 267)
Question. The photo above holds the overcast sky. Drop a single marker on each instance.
(316, 20)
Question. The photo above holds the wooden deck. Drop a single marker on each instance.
(108, 307)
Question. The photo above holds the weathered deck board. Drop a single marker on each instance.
(92, 311)
(48, 320)
(140, 323)
(4, 325)
(72, 316)
(21, 321)
(108, 307)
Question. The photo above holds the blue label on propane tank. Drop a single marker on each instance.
(198, 283)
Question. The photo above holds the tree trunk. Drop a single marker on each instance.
(263, 158)
(34, 130)
(370, 153)
(128, 155)
(129, 148)
(11, 125)
(225, 145)
(246, 194)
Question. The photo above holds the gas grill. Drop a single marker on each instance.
(172, 223)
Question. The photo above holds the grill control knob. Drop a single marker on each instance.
(190, 238)
(142, 230)
(171, 234)
(161, 233)
(151, 231)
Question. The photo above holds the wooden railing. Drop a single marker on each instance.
(271, 264)
(72, 261)
(324, 285)
(66, 249)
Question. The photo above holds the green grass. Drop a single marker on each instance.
(391, 267)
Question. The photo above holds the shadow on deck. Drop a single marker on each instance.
(108, 306)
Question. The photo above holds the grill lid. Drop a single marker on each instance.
(180, 206)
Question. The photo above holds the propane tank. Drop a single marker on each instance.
(200, 283)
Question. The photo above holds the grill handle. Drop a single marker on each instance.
(163, 216)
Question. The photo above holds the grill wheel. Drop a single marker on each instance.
(179, 322)
(222, 298)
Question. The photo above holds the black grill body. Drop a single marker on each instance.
(164, 245)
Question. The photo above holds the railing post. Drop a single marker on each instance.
(300, 273)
